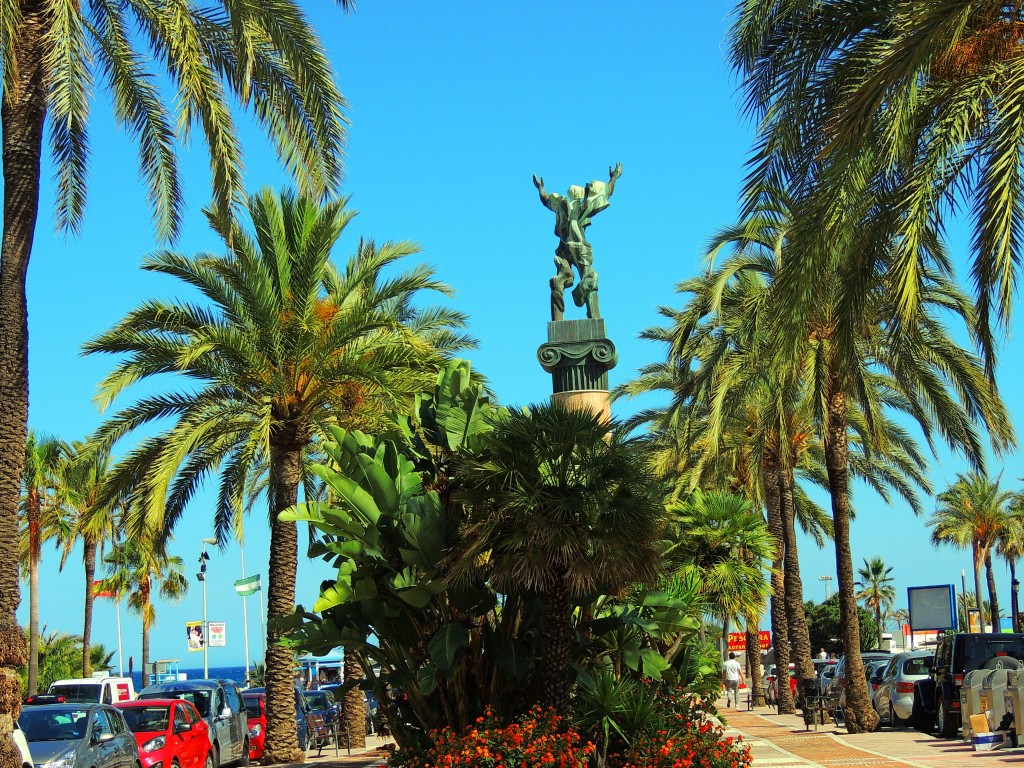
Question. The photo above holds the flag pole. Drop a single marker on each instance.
(245, 617)
(120, 654)
(263, 632)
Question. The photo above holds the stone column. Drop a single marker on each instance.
(578, 355)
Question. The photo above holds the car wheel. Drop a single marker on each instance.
(216, 756)
(943, 720)
(209, 760)
(244, 762)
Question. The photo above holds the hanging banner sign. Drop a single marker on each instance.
(194, 635)
(218, 634)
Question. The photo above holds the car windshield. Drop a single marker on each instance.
(201, 699)
(252, 706)
(317, 699)
(77, 693)
(66, 724)
(145, 719)
(917, 666)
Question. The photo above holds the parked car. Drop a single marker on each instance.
(823, 670)
(219, 703)
(78, 736)
(771, 688)
(835, 691)
(894, 696)
(102, 690)
(321, 703)
(300, 714)
(26, 753)
(169, 732)
(937, 697)
(256, 708)
(871, 670)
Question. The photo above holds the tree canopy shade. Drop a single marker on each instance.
(55, 54)
(283, 345)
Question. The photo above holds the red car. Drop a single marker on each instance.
(256, 708)
(170, 733)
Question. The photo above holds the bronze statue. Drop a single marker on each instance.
(572, 217)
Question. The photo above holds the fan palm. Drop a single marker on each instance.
(93, 521)
(141, 568)
(720, 535)
(55, 55)
(42, 489)
(876, 590)
(286, 344)
(973, 513)
(564, 507)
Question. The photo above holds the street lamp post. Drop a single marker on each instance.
(203, 557)
(825, 579)
(1015, 605)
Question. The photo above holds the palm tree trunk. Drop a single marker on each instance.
(145, 648)
(33, 625)
(992, 596)
(22, 115)
(754, 661)
(978, 562)
(780, 627)
(282, 745)
(796, 615)
(355, 704)
(1014, 607)
(89, 560)
(859, 714)
(558, 637)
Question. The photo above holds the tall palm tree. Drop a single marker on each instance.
(285, 344)
(42, 489)
(141, 568)
(1011, 547)
(973, 513)
(55, 55)
(876, 590)
(94, 522)
(931, 88)
(563, 506)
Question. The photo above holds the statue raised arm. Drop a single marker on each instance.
(572, 217)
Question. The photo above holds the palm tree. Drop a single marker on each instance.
(929, 89)
(1011, 547)
(141, 568)
(972, 513)
(94, 522)
(286, 344)
(876, 590)
(41, 489)
(264, 57)
(720, 536)
(562, 506)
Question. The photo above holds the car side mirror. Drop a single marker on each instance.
(182, 727)
(225, 713)
(99, 738)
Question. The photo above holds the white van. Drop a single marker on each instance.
(100, 690)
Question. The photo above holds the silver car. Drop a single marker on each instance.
(78, 736)
(893, 700)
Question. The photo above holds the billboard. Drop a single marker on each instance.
(932, 607)
(194, 635)
(218, 634)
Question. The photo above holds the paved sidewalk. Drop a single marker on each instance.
(374, 754)
(782, 741)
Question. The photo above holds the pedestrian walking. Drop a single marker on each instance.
(732, 678)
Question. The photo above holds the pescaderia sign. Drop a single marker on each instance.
(738, 640)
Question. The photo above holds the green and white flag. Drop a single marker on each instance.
(248, 586)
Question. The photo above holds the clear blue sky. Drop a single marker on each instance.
(454, 105)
